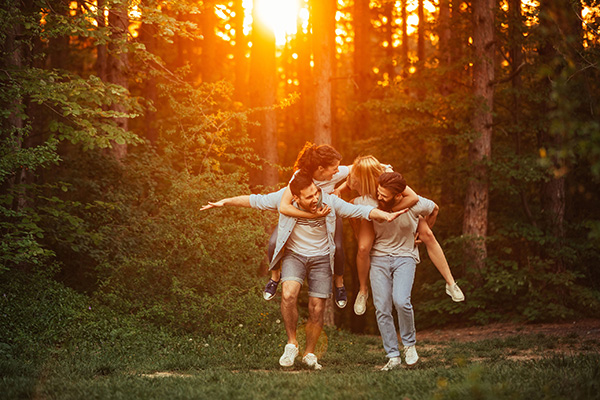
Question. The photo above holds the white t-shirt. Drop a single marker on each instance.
(309, 237)
(329, 186)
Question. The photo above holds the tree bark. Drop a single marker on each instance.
(475, 220)
(208, 60)
(362, 65)
(118, 65)
(263, 94)
(239, 54)
(404, 61)
(421, 35)
(324, 50)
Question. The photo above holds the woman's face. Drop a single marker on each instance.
(326, 173)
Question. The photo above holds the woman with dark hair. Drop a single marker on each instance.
(323, 164)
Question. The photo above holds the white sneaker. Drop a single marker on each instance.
(410, 355)
(455, 292)
(311, 360)
(392, 363)
(290, 352)
(360, 305)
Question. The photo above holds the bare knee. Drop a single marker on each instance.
(427, 236)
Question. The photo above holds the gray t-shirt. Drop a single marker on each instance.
(397, 238)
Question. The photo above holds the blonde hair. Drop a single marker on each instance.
(365, 173)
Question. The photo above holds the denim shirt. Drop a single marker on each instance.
(286, 224)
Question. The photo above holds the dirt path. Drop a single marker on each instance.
(582, 329)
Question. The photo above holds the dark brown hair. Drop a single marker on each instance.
(301, 181)
(392, 181)
(312, 156)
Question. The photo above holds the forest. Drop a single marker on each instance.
(120, 119)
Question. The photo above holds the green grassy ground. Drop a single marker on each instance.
(57, 344)
(139, 363)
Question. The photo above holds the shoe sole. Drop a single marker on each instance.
(455, 299)
(267, 296)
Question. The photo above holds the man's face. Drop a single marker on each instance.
(326, 173)
(387, 200)
(309, 198)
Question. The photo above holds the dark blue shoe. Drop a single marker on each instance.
(341, 298)
(270, 289)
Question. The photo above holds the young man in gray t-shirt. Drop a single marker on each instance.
(394, 258)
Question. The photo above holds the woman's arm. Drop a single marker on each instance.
(409, 199)
(287, 208)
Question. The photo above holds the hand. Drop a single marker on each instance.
(417, 240)
(392, 216)
(219, 203)
(323, 211)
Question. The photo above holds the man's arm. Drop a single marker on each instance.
(347, 210)
(238, 201)
(383, 216)
(409, 199)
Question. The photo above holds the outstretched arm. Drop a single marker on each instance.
(384, 216)
(238, 201)
(409, 199)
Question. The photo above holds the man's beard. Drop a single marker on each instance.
(386, 205)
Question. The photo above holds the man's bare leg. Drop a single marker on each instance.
(314, 325)
(289, 308)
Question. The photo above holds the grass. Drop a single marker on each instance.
(147, 363)
(56, 346)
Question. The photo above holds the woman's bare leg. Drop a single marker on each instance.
(365, 237)
(436, 254)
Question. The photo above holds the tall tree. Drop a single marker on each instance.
(239, 53)
(362, 64)
(118, 64)
(475, 221)
(263, 95)
(404, 60)
(323, 29)
(560, 50)
(208, 61)
(421, 34)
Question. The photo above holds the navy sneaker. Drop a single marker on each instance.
(270, 289)
(341, 298)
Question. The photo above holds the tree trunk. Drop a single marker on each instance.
(263, 94)
(563, 40)
(117, 66)
(421, 35)
(404, 61)
(477, 198)
(208, 60)
(101, 54)
(148, 37)
(239, 55)
(388, 10)
(13, 61)
(448, 195)
(362, 65)
(324, 50)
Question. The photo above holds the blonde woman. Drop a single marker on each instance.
(363, 178)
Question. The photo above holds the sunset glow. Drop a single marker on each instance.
(280, 15)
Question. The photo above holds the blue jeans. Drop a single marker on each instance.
(391, 283)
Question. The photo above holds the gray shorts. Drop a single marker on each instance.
(317, 270)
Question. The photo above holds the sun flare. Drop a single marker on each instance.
(281, 15)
